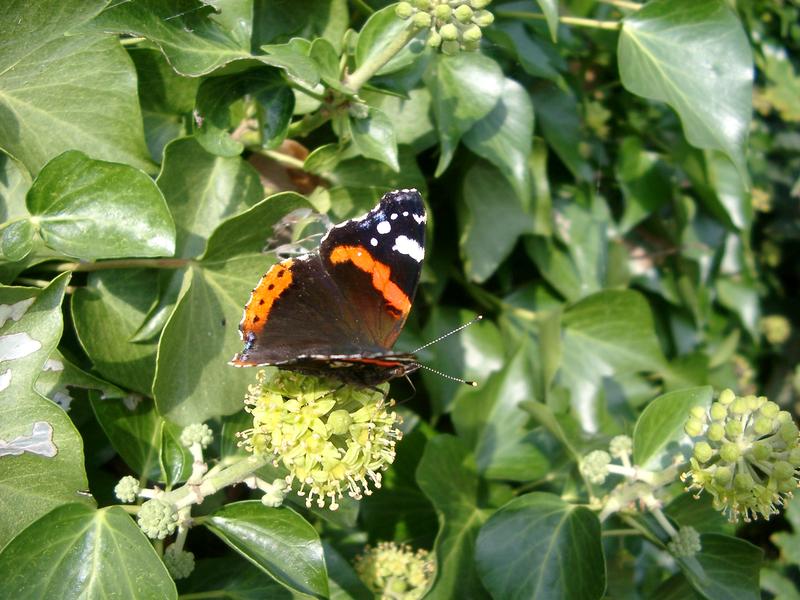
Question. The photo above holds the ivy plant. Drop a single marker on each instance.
(611, 184)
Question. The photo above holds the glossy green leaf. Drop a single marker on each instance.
(60, 375)
(529, 49)
(374, 137)
(175, 459)
(446, 475)
(119, 299)
(60, 92)
(644, 180)
(659, 433)
(38, 438)
(726, 567)
(504, 137)
(16, 240)
(539, 546)
(557, 115)
(215, 96)
(79, 552)
(133, 427)
(694, 56)
(492, 422)
(464, 88)
(550, 10)
(14, 185)
(281, 19)
(277, 540)
(490, 230)
(234, 577)
(380, 30)
(193, 379)
(610, 332)
(294, 58)
(93, 209)
(184, 30)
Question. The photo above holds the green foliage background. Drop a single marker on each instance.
(600, 189)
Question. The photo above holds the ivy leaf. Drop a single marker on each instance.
(659, 431)
(464, 88)
(644, 180)
(550, 10)
(446, 475)
(726, 567)
(93, 209)
(277, 540)
(374, 137)
(37, 436)
(193, 42)
(215, 96)
(193, 379)
(61, 92)
(97, 553)
(538, 546)
(504, 136)
(696, 57)
(491, 420)
(382, 27)
(119, 299)
(489, 230)
(235, 577)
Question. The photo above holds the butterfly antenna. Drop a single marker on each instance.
(445, 375)
(446, 335)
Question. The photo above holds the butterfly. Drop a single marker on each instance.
(338, 310)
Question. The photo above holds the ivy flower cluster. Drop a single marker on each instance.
(330, 438)
(395, 571)
(746, 455)
(454, 24)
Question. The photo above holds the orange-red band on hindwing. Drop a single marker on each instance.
(381, 275)
(269, 289)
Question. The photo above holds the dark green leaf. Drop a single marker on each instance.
(381, 29)
(550, 10)
(644, 180)
(119, 299)
(232, 577)
(446, 475)
(659, 431)
(277, 540)
(465, 88)
(374, 137)
(557, 114)
(694, 56)
(726, 567)
(538, 546)
(60, 92)
(490, 419)
(93, 209)
(59, 375)
(78, 552)
(214, 99)
(493, 217)
(504, 137)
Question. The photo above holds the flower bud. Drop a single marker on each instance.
(157, 518)
(404, 10)
(339, 422)
(694, 427)
(726, 397)
(463, 13)
(179, 563)
(197, 433)
(782, 470)
(761, 450)
(788, 432)
(483, 18)
(743, 482)
(715, 432)
(434, 40)
(762, 425)
(127, 489)
(595, 466)
(718, 411)
(472, 34)
(723, 475)
(794, 457)
(422, 19)
(478, 4)
(769, 409)
(738, 407)
(450, 48)
(422, 4)
(620, 445)
(703, 451)
(729, 452)
(733, 429)
(698, 412)
(449, 32)
(442, 11)
(686, 542)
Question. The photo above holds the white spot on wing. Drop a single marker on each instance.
(5, 379)
(17, 345)
(384, 227)
(420, 218)
(409, 247)
(14, 311)
(405, 213)
(374, 242)
(40, 442)
(393, 217)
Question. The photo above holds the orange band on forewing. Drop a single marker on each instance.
(271, 286)
(381, 275)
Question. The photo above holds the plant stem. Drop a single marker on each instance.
(619, 532)
(236, 472)
(126, 263)
(309, 123)
(577, 21)
(373, 64)
(622, 4)
(304, 90)
(131, 41)
(281, 158)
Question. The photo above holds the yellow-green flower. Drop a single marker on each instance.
(395, 572)
(453, 25)
(776, 328)
(747, 456)
(331, 438)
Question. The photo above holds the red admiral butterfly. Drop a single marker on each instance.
(339, 309)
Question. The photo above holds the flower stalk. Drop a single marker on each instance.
(356, 80)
